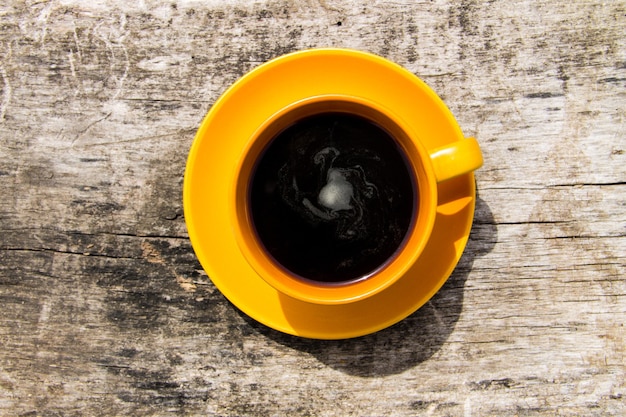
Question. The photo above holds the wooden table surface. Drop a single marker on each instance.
(105, 310)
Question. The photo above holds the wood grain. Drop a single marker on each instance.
(106, 311)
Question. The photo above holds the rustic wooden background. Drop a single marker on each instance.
(104, 309)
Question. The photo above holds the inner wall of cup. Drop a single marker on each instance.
(330, 206)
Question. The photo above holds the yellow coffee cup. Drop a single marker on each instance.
(426, 167)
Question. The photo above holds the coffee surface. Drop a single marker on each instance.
(332, 197)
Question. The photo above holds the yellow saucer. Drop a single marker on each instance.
(224, 135)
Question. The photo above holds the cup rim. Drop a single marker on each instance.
(393, 268)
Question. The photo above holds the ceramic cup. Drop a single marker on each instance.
(336, 194)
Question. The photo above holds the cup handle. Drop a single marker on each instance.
(457, 158)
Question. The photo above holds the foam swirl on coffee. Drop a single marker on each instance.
(337, 192)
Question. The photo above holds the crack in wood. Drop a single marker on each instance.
(89, 126)
(51, 250)
(97, 233)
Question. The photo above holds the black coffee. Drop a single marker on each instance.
(332, 197)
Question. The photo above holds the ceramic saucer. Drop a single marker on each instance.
(210, 177)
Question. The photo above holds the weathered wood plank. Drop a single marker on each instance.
(106, 311)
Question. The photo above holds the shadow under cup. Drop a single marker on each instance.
(333, 200)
